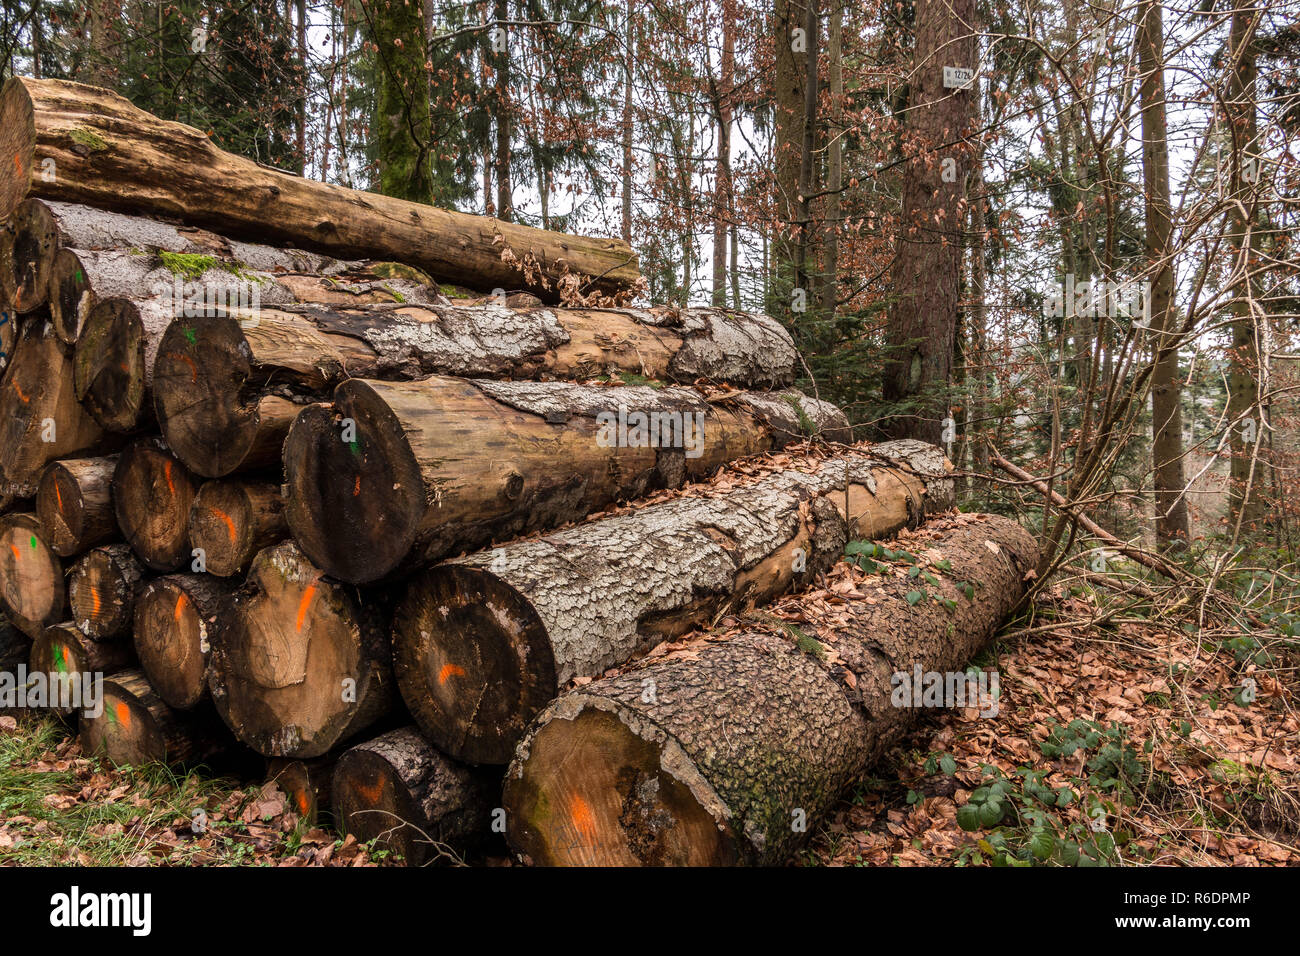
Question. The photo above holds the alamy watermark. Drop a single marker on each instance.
(1104, 297)
(658, 429)
(971, 688)
(82, 691)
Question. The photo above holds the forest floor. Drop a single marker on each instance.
(1122, 743)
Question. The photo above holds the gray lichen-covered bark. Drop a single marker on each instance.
(763, 732)
(579, 601)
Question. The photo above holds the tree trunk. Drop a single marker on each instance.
(102, 589)
(110, 154)
(230, 521)
(807, 172)
(62, 650)
(730, 753)
(724, 109)
(137, 728)
(176, 619)
(301, 664)
(420, 806)
(927, 267)
(31, 575)
(1173, 524)
(220, 414)
(398, 474)
(835, 132)
(40, 417)
(152, 495)
(788, 79)
(501, 111)
(483, 643)
(74, 502)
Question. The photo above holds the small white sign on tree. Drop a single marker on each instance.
(957, 77)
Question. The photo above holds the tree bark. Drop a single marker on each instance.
(302, 663)
(176, 619)
(102, 588)
(481, 644)
(1173, 523)
(399, 791)
(230, 521)
(927, 266)
(31, 575)
(730, 753)
(152, 495)
(220, 414)
(443, 464)
(74, 502)
(110, 154)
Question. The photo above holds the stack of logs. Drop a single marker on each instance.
(289, 502)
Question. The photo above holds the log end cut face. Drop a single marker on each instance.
(152, 496)
(221, 524)
(473, 662)
(600, 787)
(59, 653)
(125, 732)
(203, 395)
(31, 575)
(70, 295)
(372, 802)
(17, 143)
(101, 591)
(108, 370)
(171, 639)
(356, 494)
(285, 670)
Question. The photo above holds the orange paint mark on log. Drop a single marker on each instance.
(58, 496)
(373, 793)
(17, 555)
(94, 601)
(18, 165)
(304, 805)
(194, 369)
(356, 487)
(123, 713)
(583, 821)
(448, 671)
(167, 472)
(180, 607)
(307, 595)
(230, 525)
(20, 393)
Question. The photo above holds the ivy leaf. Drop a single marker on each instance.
(913, 596)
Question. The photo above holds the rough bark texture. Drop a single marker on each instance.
(110, 154)
(40, 417)
(301, 663)
(482, 643)
(230, 521)
(176, 617)
(137, 728)
(718, 755)
(31, 575)
(212, 373)
(404, 473)
(74, 502)
(926, 273)
(102, 588)
(152, 495)
(416, 803)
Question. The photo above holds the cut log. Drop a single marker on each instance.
(27, 255)
(300, 663)
(74, 502)
(15, 646)
(62, 650)
(152, 495)
(31, 575)
(112, 155)
(176, 617)
(420, 806)
(102, 588)
(307, 785)
(230, 521)
(213, 374)
(730, 753)
(136, 728)
(483, 643)
(40, 417)
(398, 474)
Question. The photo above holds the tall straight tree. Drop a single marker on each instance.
(723, 115)
(926, 273)
(1172, 518)
(400, 142)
